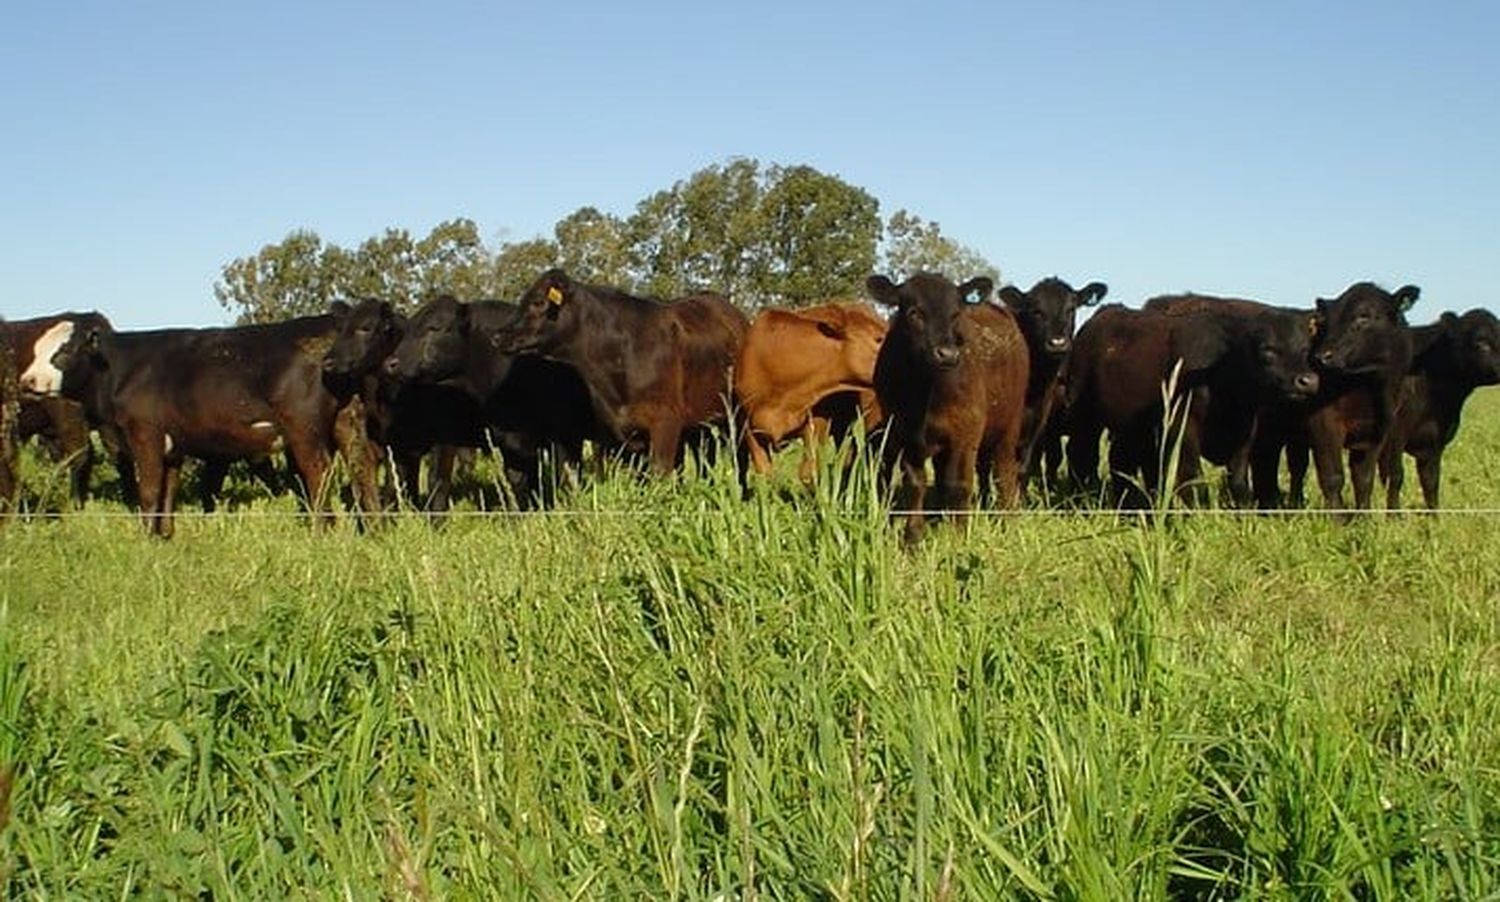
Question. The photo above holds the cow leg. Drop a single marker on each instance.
(1265, 472)
(1393, 472)
(440, 497)
(311, 459)
(211, 482)
(361, 455)
(1129, 469)
(1430, 473)
(171, 480)
(1240, 494)
(1362, 474)
(149, 478)
(406, 477)
(814, 433)
(912, 495)
(956, 471)
(1083, 458)
(759, 458)
(1328, 460)
(73, 439)
(1297, 456)
(666, 441)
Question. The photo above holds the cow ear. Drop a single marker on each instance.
(387, 310)
(1201, 346)
(1449, 320)
(1405, 296)
(1092, 293)
(977, 290)
(555, 286)
(883, 291)
(1012, 297)
(339, 309)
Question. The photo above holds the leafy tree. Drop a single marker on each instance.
(913, 245)
(519, 263)
(453, 260)
(760, 234)
(818, 237)
(594, 246)
(281, 281)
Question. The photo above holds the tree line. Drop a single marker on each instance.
(761, 234)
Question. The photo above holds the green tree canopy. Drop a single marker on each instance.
(759, 234)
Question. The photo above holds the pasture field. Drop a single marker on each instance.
(663, 691)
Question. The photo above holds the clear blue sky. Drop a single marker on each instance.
(1272, 149)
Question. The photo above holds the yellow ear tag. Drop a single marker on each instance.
(1312, 326)
(554, 295)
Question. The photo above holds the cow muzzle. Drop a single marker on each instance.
(1306, 384)
(945, 357)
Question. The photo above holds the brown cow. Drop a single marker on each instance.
(951, 377)
(657, 372)
(793, 365)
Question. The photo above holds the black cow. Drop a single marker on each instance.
(1451, 358)
(523, 405)
(1280, 356)
(216, 394)
(1231, 367)
(1363, 351)
(1048, 317)
(951, 377)
(656, 372)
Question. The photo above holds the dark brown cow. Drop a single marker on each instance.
(657, 372)
(1229, 367)
(793, 362)
(1363, 351)
(1451, 358)
(219, 394)
(951, 377)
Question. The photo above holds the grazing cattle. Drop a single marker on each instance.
(951, 377)
(656, 372)
(1231, 367)
(215, 394)
(1450, 359)
(1363, 351)
(522, 405)
(792, 367)
(1048, 316)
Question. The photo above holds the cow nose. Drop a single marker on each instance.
(328, 366)
(1307, 383)
(945, 356)
(1325, 358)
(1057, 343)
(389, 365)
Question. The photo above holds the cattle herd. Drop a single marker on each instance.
(991, 392)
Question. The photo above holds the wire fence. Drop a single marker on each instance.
(662, 514)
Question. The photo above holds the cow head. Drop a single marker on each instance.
(1048, 313)
(1279, 345)
(434, 344)
(1363, 329)
(855, 334)
(83, 354)
(928, 307)
(367, 333)
(548, 315)
(41, 377)
(1475, 337)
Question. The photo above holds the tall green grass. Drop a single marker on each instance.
(668, 691)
